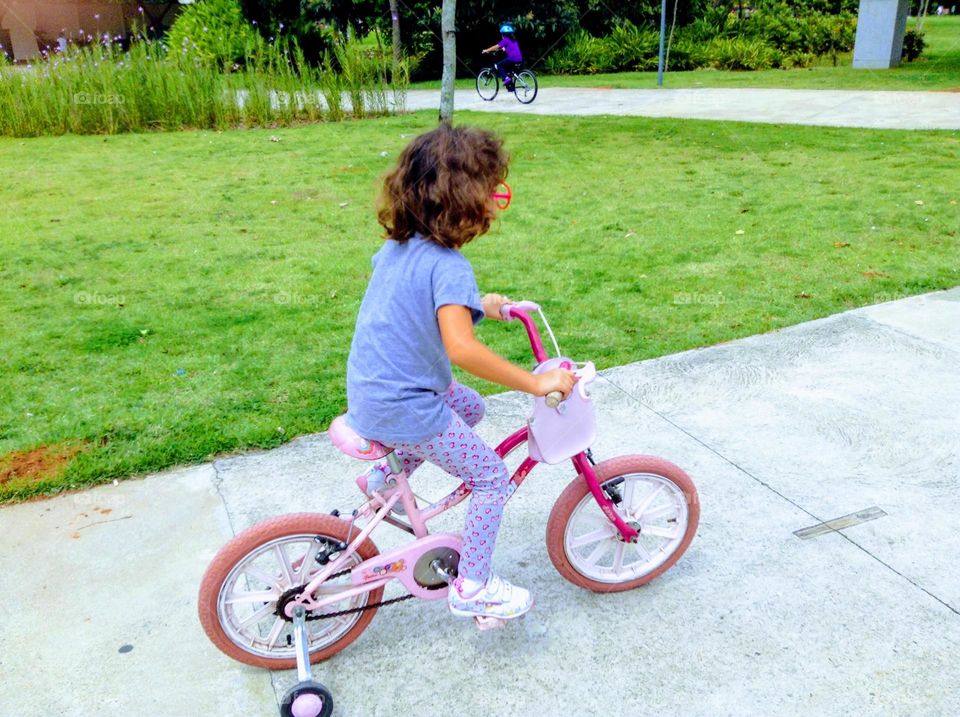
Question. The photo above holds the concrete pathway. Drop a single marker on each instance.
(833, 108)
(856, 413)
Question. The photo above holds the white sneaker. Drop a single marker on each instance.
(496, 598)
(374, 480)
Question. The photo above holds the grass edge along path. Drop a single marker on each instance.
(165, 298)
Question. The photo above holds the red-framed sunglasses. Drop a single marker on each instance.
(503, 195)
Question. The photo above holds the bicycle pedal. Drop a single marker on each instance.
(489, 623)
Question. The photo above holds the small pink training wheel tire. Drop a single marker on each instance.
(309, 705)
(307, 699)
(576, 500)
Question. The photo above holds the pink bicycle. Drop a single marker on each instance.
(296, 589)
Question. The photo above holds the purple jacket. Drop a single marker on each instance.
(512, 49)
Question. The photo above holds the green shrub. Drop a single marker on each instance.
(777, 33)
(582, 55)
(213, 31)
(685, 55)
(794, 60)
(913, 44)
(688, 51)
(626, 48)
(795, 31)
(631, 48)
(740, 53)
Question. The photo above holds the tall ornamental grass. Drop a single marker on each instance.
(101, 89)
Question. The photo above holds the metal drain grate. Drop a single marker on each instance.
(847, 521)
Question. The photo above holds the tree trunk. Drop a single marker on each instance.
(448, 16)
(395, 19)
(922, 14)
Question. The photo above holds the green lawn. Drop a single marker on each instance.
(165, 297)
(937, 69)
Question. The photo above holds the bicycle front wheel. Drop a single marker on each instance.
(651, 494)
(488, 84)
(240, 592)
(525, 86)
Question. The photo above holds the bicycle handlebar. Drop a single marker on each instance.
(520, 310)
(506, 311)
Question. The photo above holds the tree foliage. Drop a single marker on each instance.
(543, 26)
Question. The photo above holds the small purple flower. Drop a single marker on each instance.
(97, 16)
(281, 25)
(140, 9)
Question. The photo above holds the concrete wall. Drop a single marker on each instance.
(881, 25)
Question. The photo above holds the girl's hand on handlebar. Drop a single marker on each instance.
(557, 379)
(492, 304)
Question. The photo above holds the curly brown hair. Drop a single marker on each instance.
(441, 186)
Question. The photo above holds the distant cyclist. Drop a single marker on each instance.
(508, 43)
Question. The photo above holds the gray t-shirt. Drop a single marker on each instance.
(398, 370)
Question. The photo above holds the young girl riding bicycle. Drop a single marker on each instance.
(417, 318)
(512, 60)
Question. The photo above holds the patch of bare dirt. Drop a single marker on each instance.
(37, 464)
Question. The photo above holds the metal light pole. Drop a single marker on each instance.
(663, 32)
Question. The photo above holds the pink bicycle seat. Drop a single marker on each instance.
(353, 444)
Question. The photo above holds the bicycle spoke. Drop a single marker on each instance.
(642, 551)
(618, 557)
(255, 617)
(669, 534)
(597, 552)
(284, 563)
(595, 518)
(661, 512)
(262, 576)
(307, 561)
(648, 500)
(265, 596)
(275, 631)
(592, 537)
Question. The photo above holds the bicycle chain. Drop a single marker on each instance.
(350, 611)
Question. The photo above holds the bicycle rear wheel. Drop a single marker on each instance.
(266, 563)
(488, 84)
(525, 86)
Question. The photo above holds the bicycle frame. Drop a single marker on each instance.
(399, 564)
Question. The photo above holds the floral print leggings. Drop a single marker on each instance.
(461, 453)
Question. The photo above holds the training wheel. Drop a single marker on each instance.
(489, 623)
(307, 699)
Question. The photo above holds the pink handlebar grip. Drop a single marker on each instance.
(507, 313)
